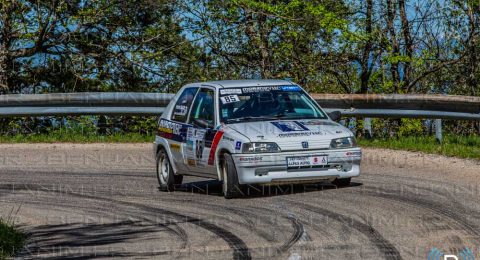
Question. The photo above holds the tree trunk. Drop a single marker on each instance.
(472, 66)
(408, 45)
(393, 40)
(365, 75)
(3, 69)
(5, 42)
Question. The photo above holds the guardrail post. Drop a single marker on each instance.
(102, 125)
(438, 130)
(367, 127)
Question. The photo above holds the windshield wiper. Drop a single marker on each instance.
(280, 115)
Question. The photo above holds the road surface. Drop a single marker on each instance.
(102, 200)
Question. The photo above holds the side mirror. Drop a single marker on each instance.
(202, 123)
(335, 115)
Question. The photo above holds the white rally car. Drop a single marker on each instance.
(252, 132)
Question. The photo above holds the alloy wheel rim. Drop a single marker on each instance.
(224, 178)
(164, 168)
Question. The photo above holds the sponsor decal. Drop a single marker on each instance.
(175, 147)
(290, 126)
(301, 161)
(180, 110)
(230, 91)
(216, 140)
(229, 99)
(270, 88)
(352, 154)
(224, 112)
(228, 138)
(251, 159)
(191, 162)
(291, 88)
(260, 89)
(286, 135)
(195, 145)
(238, 145)
(305, 145)
(172, 130)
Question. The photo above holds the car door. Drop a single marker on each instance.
(201, 135)
(177, 126)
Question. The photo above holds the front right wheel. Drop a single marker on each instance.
(231, 187)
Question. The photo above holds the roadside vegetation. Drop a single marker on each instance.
(452, 145)
(81, 129)
(77, 137)
(11, 240)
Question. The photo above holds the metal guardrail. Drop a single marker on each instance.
(352, 105)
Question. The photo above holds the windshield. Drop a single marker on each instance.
(266, 103)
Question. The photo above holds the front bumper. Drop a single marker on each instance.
(271, 168)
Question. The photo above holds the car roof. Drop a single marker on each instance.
(247, 83)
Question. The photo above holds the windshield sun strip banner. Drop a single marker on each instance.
(248, 90)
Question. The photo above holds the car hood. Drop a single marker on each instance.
(290, 134)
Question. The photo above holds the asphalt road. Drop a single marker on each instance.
(85, 201)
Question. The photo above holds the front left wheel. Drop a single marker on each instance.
(165, 175)
(230, 185)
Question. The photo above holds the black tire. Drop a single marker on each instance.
(165, 175)
(231, 187)
(342, 182)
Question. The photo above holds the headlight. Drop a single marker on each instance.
(346, 142)
(260, 148)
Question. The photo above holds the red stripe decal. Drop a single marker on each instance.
(213, 149)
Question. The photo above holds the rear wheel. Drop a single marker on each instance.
(342, 182)
(165, 175)
(231, 187)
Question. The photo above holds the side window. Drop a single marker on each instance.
(203, 110)
(184, 102)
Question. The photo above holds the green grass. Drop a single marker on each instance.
(11, 241)
(452, 145)
(76, 137)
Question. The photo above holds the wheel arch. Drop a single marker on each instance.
(162, 143)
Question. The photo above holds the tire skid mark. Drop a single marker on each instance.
(170, 227)
(385, 246)
(298, 229)
(298, 232)
(432, 206)
(448, 195)
(247, 217)
(454, 203)
(240, 249)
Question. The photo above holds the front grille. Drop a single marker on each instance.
(312, 145)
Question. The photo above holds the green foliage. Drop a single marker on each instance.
(348, 46)
(452, 145)
(77, 136)
(410, 127)
(11, 240)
